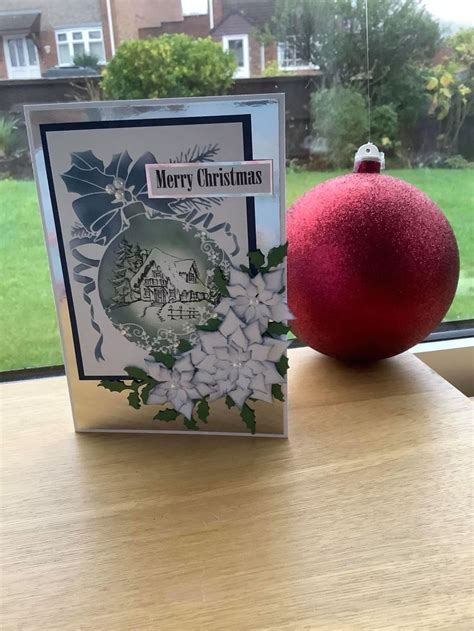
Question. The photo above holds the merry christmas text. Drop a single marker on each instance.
(223, 179)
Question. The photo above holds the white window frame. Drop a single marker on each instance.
(30, 71)
(244, 72)
(191, 7)
(85, 30)
(281, 57)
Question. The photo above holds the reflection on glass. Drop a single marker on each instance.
(422, 111)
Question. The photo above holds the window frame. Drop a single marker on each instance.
(28, 70)
(190, 11)
(85, 41)
(281, 47)
(241, 72)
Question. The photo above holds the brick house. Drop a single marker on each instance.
(40, 38)
(37, 35)
(234, 23)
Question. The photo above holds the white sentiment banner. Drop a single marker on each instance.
(222, 179)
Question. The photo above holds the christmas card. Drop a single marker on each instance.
(164, 222)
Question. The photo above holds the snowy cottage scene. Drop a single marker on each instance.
(151, 289)
(165, 278)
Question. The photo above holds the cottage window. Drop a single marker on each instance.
(74, 42)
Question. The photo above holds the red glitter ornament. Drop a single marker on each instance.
(373, 264)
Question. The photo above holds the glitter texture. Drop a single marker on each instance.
(373, 266)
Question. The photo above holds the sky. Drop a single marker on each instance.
(459, 12)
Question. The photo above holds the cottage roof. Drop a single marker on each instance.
(171, 267)
(184, 265)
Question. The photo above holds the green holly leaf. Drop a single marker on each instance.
(248, 417)
(277, 255)
(114, 385)
(164, 358)
(245, 269)
(166, 415)
(282, 365)
(257, 259)
(229, 402)
(134, 400)
(184, 346)
(190, 423)
(136, 373)
(145, 393)
(220, 282)
(211, 325)
(277, 392)
(277, 328)
(202, 410)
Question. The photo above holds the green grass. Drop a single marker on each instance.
(28, 330)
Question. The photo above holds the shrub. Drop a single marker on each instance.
(86, 61)
(272, 69)
(168, 66)
(339, 124)
(384, 124)
(8, 128)
(458, 162)
(439, 160)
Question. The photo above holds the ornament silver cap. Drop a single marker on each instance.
(369, 151)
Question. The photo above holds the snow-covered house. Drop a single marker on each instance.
(166, 278)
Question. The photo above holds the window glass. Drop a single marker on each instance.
(422, 102)
(236, 47)
(78, 49)
(12, 51)
(31, 51)
(64, 54)
(97, 49)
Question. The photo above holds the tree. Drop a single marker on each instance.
(171, 65)
(123, 272)
(332, 35)
(136, 259)
(450, 87)
(339, 123)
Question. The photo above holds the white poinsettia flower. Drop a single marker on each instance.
(256, 299)
(236, 361)
(176, 385)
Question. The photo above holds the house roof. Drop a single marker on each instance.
(15, 21)
(258, 12)
(184, 265)
(171, 266)
(242, 16)
(232, 25)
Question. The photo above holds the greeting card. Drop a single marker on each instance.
(165, 233)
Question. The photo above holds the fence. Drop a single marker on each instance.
(297, 90)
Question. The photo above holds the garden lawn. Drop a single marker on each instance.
(28, 330)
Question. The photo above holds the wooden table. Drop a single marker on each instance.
(361, 520)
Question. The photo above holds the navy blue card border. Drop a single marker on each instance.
(45, 128)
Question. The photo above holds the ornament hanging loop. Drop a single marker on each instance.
(369, 123)
(368, 159)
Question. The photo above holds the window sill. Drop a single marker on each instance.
(452, 359)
